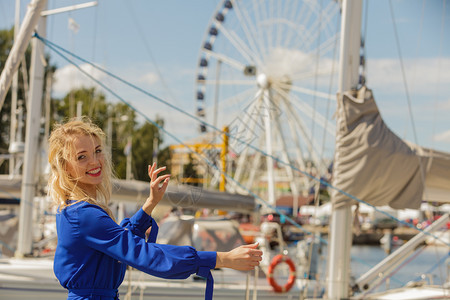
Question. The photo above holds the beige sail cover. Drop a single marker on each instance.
(376, 166)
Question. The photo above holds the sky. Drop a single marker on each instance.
(156, 45)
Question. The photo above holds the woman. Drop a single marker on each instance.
(93, 251)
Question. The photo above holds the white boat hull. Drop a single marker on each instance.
(34, 279)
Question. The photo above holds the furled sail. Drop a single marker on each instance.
(376, 166)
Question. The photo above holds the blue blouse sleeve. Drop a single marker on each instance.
(100, 232)
(138, 223)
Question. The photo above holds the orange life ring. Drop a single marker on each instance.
(291, 280)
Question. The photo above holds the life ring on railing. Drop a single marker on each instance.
(291, 280)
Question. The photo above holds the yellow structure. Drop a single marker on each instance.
(223, 159)
(180, 156)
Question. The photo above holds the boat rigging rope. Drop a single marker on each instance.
(94, 42)
(402, 68)
(129, 6)
(432, 268)
(55, 48)
(442, 35)
(408, 98)
(361, 296)
(330, 87)
(316, 71)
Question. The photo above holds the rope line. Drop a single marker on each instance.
(438, 264)
(405, 84)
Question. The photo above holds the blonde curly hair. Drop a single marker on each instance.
(61, 186)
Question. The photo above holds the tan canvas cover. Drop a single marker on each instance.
(376, 166)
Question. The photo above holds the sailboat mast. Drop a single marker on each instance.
(33, 125)
(341, 219)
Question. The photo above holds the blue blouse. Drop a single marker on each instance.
(93, 252)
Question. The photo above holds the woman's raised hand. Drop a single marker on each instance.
(243, 258)
(158, 186)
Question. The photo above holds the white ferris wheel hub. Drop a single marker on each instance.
(263, 81)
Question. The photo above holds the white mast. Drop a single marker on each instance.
(341, 220)
(33, 125)
(24, 241)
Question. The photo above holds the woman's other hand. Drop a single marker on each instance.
(243, 258)
(158, 186)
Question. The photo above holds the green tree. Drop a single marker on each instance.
(146, 138)
(6, 42)
(93, 105)
(190, 171)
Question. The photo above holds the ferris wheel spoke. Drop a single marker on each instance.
(278, 35)
(312, 145)
(318, 28)
(325, 47)
(271, 29)
(233, 101)
(330, 28)
(301, 26)
(229, 82)
(296, 19)
(311, 74)
(282, 138)
(328, 45)
(247, 133)
(305, 108)
(247, 53)
(248, 113)
(298, 148)
(264, 34)
(249, 29)
(254, 169)
(307, 139)
(236, 99)
(307, 91)
(226, 59)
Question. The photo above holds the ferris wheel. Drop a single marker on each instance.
(267, 70)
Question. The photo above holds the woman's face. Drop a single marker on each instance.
(86, 163)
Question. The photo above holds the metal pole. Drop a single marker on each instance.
(386, 266)
(128, 175)
(79, 109)
(223, 159)
(155, 148)
(341, 218)
(269, 148)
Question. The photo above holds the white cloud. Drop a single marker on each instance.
(149, 78)
(442, 137)
(444, 105)
(69, 77)
(424, 76)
